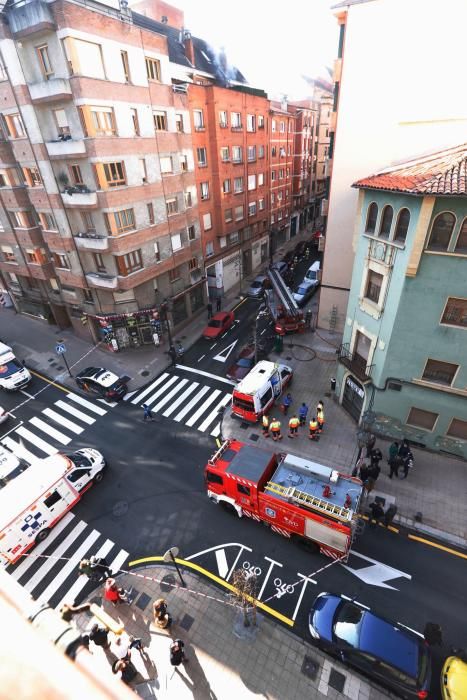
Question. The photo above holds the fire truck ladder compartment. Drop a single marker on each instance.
(283, 293)
(293, 494)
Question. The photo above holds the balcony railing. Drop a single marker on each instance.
(61, 148)
(98, 279)
(356, 363)
(26, 18)
(91, 241)
(79, 196)
(50, 90)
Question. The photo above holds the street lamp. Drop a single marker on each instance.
(163, 310)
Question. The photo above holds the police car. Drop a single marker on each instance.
(101, 382)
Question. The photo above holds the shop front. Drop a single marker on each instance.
(353, 397)
(130, 330)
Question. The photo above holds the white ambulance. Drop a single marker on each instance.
(33, 502)
(257, 392)
(13, 375)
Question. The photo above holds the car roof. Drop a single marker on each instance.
(220, 315)
(390, 643)
(89, 372)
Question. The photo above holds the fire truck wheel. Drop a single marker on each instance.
(42, 535)
(228, 507)
(307, 545)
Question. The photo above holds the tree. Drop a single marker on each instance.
(245, 593)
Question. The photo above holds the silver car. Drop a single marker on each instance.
(257, 286)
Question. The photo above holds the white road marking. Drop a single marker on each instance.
(19, 450)
(75, 412)
(160, 391)
(306, 580)
(12, 430)
(215, 412)
(128, 395)
(48, 430)
(29, 559)
(171, 393)
(223, 547)
(37, 441)
(63, 421)
(377, 574)
(199, 412)
(201, 358)
(30, 396)
(71, 595)
(272, 563)
(223, 354)
(149, 388)
(190, 405)
(206, 374)
(222, 565)
(87, 404)
(10, 414)
(213, 346)
(216, 431)
(110, 404)
(180, 399)
(263, 331)
(116, 563)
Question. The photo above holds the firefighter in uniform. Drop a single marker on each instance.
(314, 435)
(276, 429)
(320, 416)
(294, 422)
(265, 426)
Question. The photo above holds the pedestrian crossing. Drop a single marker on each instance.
(184, 401)
(53, 429)
(49, 572)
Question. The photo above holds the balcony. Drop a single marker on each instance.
(79, 196)
(27, 18)
(50, 90)
(62, 148)
(91, 241)
(355, 363)
(102, 281)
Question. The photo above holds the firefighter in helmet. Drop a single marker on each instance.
(265, 426)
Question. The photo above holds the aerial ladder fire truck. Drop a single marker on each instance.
(316, 505)
(282, 306)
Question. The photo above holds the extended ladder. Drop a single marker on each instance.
(293, 494)
(284, 294)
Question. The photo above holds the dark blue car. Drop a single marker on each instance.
(388, 652)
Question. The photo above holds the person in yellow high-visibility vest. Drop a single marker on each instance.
(275, 429)
(313, 426)
(294, 422)
(265, 426)
(320, 419)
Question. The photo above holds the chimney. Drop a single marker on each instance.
(188, 45)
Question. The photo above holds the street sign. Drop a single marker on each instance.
(170, 554)
(60, 348)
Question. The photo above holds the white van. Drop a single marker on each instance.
(256, 393)
(313, 274)
(13, 375)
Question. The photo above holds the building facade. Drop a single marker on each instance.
(403, 361)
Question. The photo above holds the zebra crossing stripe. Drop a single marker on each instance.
(160, 391)
(203, 407)
(214, 413)
(149, 388)
(171, 393)
(190, 405)
(75, 412)
(29, 560)
(52, 432)
(19, 450)
(117, 563)
(87, 404)
(216, 431)
(63, 421)
(37, 441)
(180, 399)
(72, 593)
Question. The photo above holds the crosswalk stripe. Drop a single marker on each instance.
(19, 450)
(52, 432)
(66, 570)
(215, 412)
(63, 421)
(216, 431)
(171, 393)
(87, 404)
(116, 563)
(109, 404)
(53, 559)
(37, 441)
(149, 388)
(71, 595)
(74, 412)
(212, 397)
(29, 559)
(180, 399)
(160, 391)
(190, 405)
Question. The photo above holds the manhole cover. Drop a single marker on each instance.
(120, 508)
(186, 622)
(310, 667)
(244, 425)
(144, 372)
(254, 437)
(336, 680)
(143, 601)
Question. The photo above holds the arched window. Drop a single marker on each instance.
(386, 221)
(441, 231)
(371, 218)
(402, 225)
(461, 244)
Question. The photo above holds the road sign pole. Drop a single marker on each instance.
(178, 570)
(170, 556)
(66, 364)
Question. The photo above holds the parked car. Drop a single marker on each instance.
(313, 273)
(257, 286)
(281, 266)
(101, 382)
(218, 324)
(304, 292)
(386, 651)
(243, 364)
(454, 679)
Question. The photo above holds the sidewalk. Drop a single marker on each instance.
(225, 658)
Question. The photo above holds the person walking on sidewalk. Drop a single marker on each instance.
(394, 464)
(177, 655)
(286, 403)
(265, 426)
(407, 463)
(393, 451)
(101, 567)
(218, 303)
(302, 413)
(404, 448)
(276, 429)
(293, 427)
(100, 636)
(370, 444)
(172, 353)
(376, 456)
(313, 428)
(161, 616)
(209, 308)
(147, 413)
(126, 669)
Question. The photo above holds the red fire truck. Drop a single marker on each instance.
(282, 306)
(296, 497)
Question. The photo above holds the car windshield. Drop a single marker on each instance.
(256, 284)
(79, 460)
(10, 368)
(302, 290)
(6, 478)
(244, 362)
(214, 323)
(347, 625)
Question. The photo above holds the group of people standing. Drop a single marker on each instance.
(315, 426)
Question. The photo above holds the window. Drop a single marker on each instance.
(250, 122)
(273, 218)
(441, 231)
(260, 121)
(88, 297)
(125, 66)
(32, 177)
(129, 263)
(114, 174)
(153, 69)
(209, 248)
(243, 489)
(166, 164)
(97, 121)
(198, 119)
(273, 151)
(160, 121)
(422, 419)
(238, 185)
(261, 204)
(226, 186)
(373, 286)
(88, 222)
(99, 262)
(251, 182)
(458, 429)
(8, 254)
(273, 125)
(402, 225)
(228, 216)
(440, 372)
(386, 221)
(61, 122)
(191, 233)
(273, 197)
(282, 127)
(75, 174)
(281, 173)
(236, 120)
(207, 221)
(124, 220)
(239, 213)
(47, 221)
(179, 126)
(202, 157)
(44, 60)
(223, 120)
(59, 261)
(279, 196)
(237, 155)
(371, 217)
(260, 179)
(22, 219)
(252, 209)
(260, 151)
(84, 58)
(171, 206)
(193, 264)
(150, 210)
(142, 169)
(14, 126)
(54, 498)
(273, 175)
(135, 121)
(225, 153)
(251, 153)
(461, 243)
(157, 253)
(184, 164)
(176, 241)
(188, 200)
(175, 273)
(204, 190)
(455, 312)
